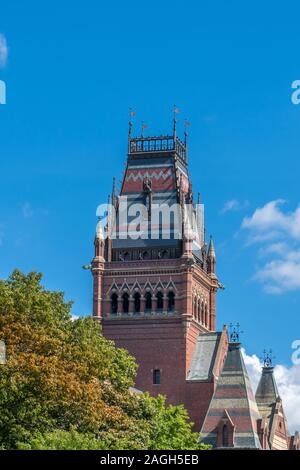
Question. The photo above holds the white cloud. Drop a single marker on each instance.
(231, 205)
(234, 205)
(3, 51)
(27, 211)
(271, 219)
(288, 383)
(253, 367)
(278, 234)
(280, 275)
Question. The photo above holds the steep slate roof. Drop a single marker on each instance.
(270, 407)
(233, 396)
(204, 355)
(267, 391)
(163, 166)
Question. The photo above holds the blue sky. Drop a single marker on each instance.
(72, 71)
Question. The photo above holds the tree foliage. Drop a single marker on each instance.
(66, 386)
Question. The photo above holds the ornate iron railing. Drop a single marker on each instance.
(157, 144)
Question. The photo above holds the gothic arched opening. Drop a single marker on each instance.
(125, 299)
(160, 301)
(114, 303)
(148, 302)
(171, 301)
(202, 319)
(137, 302)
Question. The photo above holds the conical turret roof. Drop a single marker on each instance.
(267, 392)
(211, 249)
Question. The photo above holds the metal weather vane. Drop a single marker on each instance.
(131, 116)
(267, 358)
(175, 112)
(143, 127)
(235, 332)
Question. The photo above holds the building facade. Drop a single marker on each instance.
(155, 280)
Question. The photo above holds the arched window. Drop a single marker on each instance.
(165, 254)
(195, 307)
(202, 312)
(146, 255)
(199, 311)
(225, 439)
(148, 302)
(160, 301)
(125, 302)
(126, 256)
(206, 316)
(137, 302)
(114, 303)
(171, 301)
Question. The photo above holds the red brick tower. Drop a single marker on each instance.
(155, 294)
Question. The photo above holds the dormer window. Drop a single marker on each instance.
(225, 436)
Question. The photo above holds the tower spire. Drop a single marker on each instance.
(211, 249)
(130, 124)
(186, 125)
(203, 240)
(175, 111)
(198, 219)
(109, 230)
(113, 196)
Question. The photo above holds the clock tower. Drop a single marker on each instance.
(155, 280)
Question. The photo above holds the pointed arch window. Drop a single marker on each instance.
(148, 302)
(202, 313)
(114, 303)
(171, 301)
(125, 299)
(160, 301)
(137, 302)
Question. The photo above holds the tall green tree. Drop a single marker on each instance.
(65, 382)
